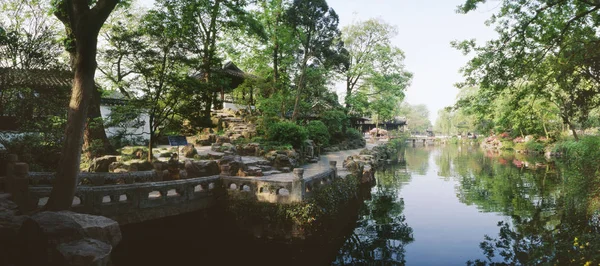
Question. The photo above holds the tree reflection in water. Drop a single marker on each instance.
(554, 218)
(381, 232)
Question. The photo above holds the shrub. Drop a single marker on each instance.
(585, 152)
(287, 133)
(35, 150)
(335, 121)
(318, 132)
(352, 133)
(534, 146)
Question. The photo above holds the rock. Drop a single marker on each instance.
(43, 233)
(189, 151)
(204, 142)
(215, 155)
(235, 164)
(159, 165)
(201, 168)
(139, 153)
(250, 149)
(83, 252)
(101, 164)
(227, 148)
(222, 139)
(251, 171)
(115, 166)
(141, 166)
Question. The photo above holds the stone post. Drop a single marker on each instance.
(225, 169)
(17, 183)
(298, 188)
(333, 166)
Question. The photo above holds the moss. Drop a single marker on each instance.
(317, 213)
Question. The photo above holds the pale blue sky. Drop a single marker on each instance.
(426, 29)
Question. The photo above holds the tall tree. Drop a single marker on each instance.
(29, 37)
(82, 21)
(550, 45)
(316, 27)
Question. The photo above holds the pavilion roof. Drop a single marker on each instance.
(35, 78)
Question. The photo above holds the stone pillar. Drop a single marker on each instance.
(333, 166)
(298, 173)
(298, 188)
(18, 183)
(225, 169)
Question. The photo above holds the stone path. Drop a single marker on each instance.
(320, 166)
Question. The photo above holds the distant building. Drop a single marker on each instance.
(36, 95)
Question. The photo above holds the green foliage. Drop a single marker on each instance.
(540, 52)
(352, 133)
(318, 213)
(375, 75)
(583, 154)
(318, 132)
(41, 153)
(287, 133)
(335, 121)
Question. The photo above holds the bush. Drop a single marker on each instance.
(534, 146)
(352, 133)
(585, 152)
(318, 132)
(35, 150)
(287, 133)
(335, 121)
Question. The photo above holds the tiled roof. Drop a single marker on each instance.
(35, 78)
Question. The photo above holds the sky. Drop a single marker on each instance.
(425, 30)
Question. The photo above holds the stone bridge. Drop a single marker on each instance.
(136, 197)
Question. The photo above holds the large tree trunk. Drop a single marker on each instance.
(94, 130)
(84, 24)
(65, 183)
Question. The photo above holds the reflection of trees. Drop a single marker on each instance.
(417, 160)
(551, 222)
(381, 233)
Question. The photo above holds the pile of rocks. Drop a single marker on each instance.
(55, 238)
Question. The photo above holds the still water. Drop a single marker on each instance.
(451, 205)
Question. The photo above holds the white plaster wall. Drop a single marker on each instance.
(133, 132)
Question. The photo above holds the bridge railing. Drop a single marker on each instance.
(296, 190)
(120, 200)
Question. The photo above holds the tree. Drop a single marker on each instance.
(316, 27)
(82, 21)
(375, 65)
(549, 45)
(417, 117)
(28, 35)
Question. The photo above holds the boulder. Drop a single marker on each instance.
(117, 167)
(235, 164)
(101, 164)
(44, 233)
(83, 252)
(250, 149)
(251, 171)
(201, 168)
(141, 166)
(189, 151)
(227, 148)
(139, 153)
(214, 155)
(222, 139)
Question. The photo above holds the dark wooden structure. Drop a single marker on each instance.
(365, 124)
(233, 77)
(28, 95)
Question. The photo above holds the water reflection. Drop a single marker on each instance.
(553, 218)
(382, 232)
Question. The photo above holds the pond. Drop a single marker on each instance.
(451, 205)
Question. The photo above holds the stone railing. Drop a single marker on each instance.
(98, 179)
(134, 201)
(299, 189)
(131, 203)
